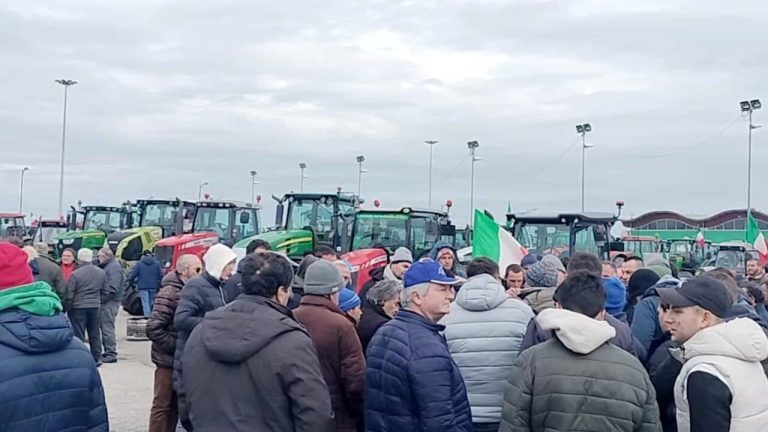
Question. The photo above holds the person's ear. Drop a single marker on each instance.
(601, 315)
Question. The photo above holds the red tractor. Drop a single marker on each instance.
(215, 222)
(12, 225)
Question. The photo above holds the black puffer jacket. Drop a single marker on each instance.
(160, 328)
(373, 318)
(200, 295)
(663, 370)
(252, 367)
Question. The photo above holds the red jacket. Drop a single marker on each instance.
(341, 357)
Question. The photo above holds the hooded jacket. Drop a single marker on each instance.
(457, 268)
(484, 332)
(645, 321)
(147, 274)
(413, 382)
(85, 288)
(341, 357)
(251, 367)
(578, 381)
(160, 328)
(731, 353)
(48, 378)
(377, 275)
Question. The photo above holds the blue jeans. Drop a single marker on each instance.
(147, 301)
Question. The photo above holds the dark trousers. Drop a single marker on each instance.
(184, 413)
(87, 320)
(108, 314)
(486, 427)
(165, 406)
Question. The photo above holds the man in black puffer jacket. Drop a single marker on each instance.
(200, 295)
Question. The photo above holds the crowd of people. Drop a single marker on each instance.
(548, 344)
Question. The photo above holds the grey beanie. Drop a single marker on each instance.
(543, 274)
(322, 278)
(555, 261)
(402, 254)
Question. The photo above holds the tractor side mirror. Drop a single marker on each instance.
(447, 230)
(245, 218)
(279, 214)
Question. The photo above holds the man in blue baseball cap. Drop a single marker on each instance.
(409, 361)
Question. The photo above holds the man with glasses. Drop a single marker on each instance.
(722, 385)
(160, 330)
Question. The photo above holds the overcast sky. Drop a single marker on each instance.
(175, 93)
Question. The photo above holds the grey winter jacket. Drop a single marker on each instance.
(85, 287)
(115, 279)
(51, 272)
(577, 381)
(484, 331)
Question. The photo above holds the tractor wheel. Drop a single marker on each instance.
(132, 302)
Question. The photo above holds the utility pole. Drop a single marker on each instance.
(21, 190)
(583, 129)
(200, 191)
(66, 83)
(360, 159)
(749, 107)
(302, 167)
(431, 144)
(472, 146)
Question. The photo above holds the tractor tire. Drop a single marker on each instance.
(136, 329)
(132, 302)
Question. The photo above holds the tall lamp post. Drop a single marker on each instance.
(21, 190)
(254, 173)
(472, 146)
(66, 83)
(200, 191)
(360, 171)
(582, 129)
(431, 144)
(302, 167)
(749, 107)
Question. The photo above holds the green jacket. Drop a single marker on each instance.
(578, 381)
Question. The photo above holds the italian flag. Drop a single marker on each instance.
(492, 241)
(755, 236)
(700, 238)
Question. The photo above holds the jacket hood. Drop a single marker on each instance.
(216, 258)
(146, 260)
(741, 338)
(664, 282)
(579, 333)
(442, 245)
(480, 293)
(238, 331)
(34, 334)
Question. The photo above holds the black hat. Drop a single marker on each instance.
(703, 291)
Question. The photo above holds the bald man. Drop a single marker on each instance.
(160, 330)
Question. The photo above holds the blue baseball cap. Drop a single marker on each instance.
(427, 271)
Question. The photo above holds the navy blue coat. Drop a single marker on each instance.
(413, 383)
(48, 380)
(147, 274)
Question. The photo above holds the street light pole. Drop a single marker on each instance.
(472, 146)
(360, 160)
(21, 190)
(431, 144)
(253, 186)
(583, 129)
(302, 167)
(66, 83)
(200, 191)
(749, 107)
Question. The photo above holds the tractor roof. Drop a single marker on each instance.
(11, 215)
(162, 201)
(311, 196)
(596, 217)
(227, 204)
(406, 210)
(101, 208)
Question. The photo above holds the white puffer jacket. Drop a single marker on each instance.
(484, 332)
(732, 352)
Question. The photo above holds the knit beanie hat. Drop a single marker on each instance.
(543, 274)
(640, 281)
(348, 300)
(85, 255)
(323, 278)
(14, 270)
(616, 295)
(529, 260)
(555, 261)
(216, 258)
(402, 254)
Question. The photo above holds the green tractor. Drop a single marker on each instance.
(157, 219)
(89, 227)
(310, 218)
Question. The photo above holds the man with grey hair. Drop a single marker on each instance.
(50, 272)
(409, 361)
(160, 330)
(110, 302)
(381, 304)
(83, 300)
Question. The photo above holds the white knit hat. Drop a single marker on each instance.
(217, 257)
(85, 255)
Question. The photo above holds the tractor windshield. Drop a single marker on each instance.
(164, 215)
(103, 220)
(387, 229)
(731, 259)
(12, 227)
(310, 213)
(212, 219)
(49, 233)
(555, 239)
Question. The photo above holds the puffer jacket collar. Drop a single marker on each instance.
(322, 302)
(666, 281)
(413, 318)
(741, 338)
(480, 293)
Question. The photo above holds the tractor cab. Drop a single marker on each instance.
(305, 219)
(47, 231)
(639, 246)
(378, 232)
(689, 253)
(157, 219)
(89, 226)
(733, 256)
(12, 225)
(564, 234)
